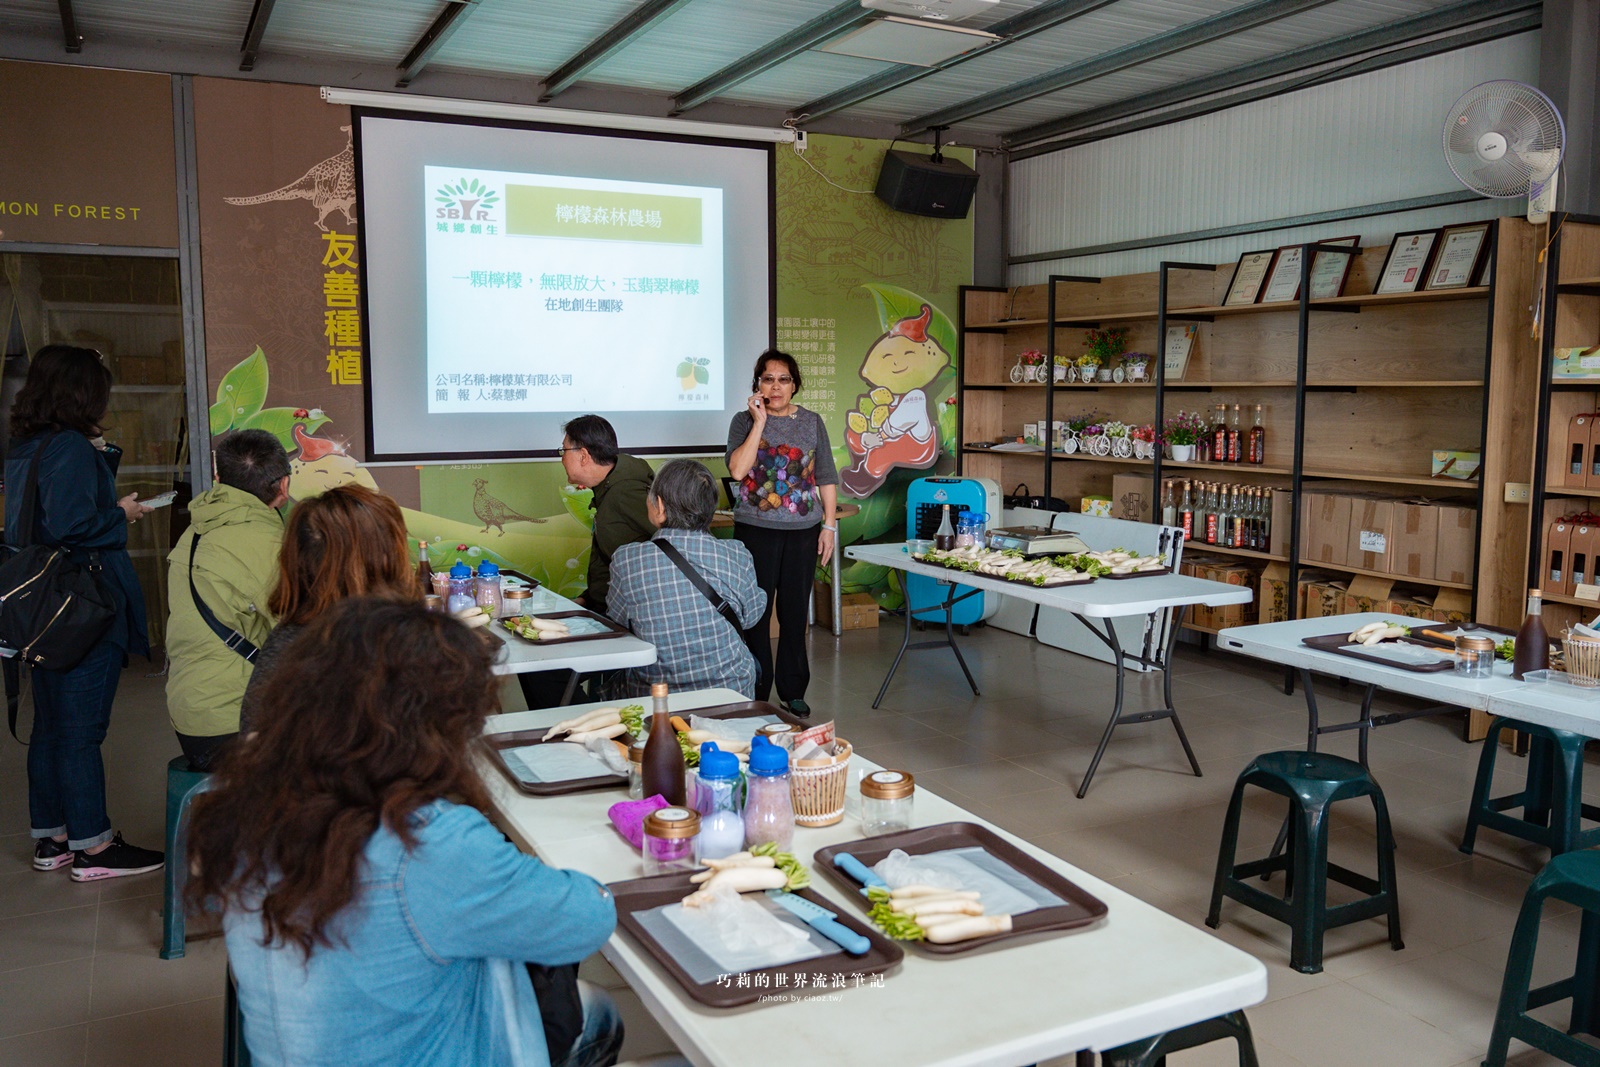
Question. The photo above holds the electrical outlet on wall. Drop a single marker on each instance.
(1518, 492)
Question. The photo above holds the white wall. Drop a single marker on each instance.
(1368, 139)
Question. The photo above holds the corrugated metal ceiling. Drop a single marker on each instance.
(532, 38)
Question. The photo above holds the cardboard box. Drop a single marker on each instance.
(1448, 605)
(1575, 363)
(1327, 529)
(1095, 505)
(1367, 593)
(1229, 572)
(1461, 463)
(1414, 547)
(1585, 559)
(1272, 598)
(857, 611)
(1575, 465)
(1591, 476)
(1325, 597)
(1282, 517)
(1554, 574)
(1455, 560)
(1131, 497)
(1371, 527)
(1412, 603)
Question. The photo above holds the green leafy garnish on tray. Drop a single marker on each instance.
(633, 719)
(1507, 649)
(884, 917)
(796, 871)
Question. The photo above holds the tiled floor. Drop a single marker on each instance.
(80, 982)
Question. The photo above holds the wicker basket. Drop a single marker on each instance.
(1582, 655)
(817, 787)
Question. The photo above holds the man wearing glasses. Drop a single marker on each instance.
(620, 483)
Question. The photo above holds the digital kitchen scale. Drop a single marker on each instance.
(1036, 541)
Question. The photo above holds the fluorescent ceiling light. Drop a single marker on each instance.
(913, 41)
(942, 10)
(489, 109)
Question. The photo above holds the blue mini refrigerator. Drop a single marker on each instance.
(925, 501)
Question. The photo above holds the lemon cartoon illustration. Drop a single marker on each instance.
(892, 425)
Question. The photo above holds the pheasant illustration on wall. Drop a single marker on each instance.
(493, 512)
(330, 186)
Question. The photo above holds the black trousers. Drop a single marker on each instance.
(203, 752)
(786, 567)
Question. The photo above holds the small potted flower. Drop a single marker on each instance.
(1095, 441)
(1074, 432)
(1088, 364)
(1180, 434)
(1117, 433)
(1032, 361)
(1063, 364)
(1104, 346)
(1144, 441)
(1137, 365)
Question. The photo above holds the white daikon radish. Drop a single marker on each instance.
(969, 928)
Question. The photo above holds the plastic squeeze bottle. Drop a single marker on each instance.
(487, 591)
(721, 828)
(663, 759)
(768, 811)
(461, 594)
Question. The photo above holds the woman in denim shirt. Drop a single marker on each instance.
(372, 913)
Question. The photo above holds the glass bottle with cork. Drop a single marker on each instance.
(424, 569)
(1257, 452)
(1533, 644)
(1219, 435)
(662, 768)
(1235, 438)
(1169, 506)
(945, 539)
(1186, 513)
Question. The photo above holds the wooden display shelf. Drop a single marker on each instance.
(1368, 383)
(1229, 550)
(1562, 598)
(1271, 383)
(1464, 485)
(1253, 468)
(1409, 579)
(1561, 490)
(1585, 286)
(1359, 300)
(1130, 461)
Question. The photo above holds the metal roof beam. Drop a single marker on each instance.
(592, 54)
(69, 27)
(433, 38)
(828, 24)
(254, 32)
(1177, 39)
(1391, 34)
(1032, 21)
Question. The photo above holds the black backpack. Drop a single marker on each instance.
(53, 608)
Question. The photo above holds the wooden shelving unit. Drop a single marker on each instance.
(1571, 317)
(1357, 391)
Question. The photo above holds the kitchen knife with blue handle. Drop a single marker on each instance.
(859, 871)
(822, 921)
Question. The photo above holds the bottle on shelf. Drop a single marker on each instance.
(1211, 514)
(1240, 512)
(424, 568)
(1186, 514)
(663, 759)
(1264, 527)
(1169, 506)
(1219, 435)
(1533, 644)
(1258, 439)
(1235, 442)
(945, 538)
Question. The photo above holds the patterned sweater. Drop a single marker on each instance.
(781, 492)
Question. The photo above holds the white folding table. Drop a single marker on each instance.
(580, 657)
(1135, 973)
(1161, 599)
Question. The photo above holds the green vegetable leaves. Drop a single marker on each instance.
(884, 917)
(797, 874)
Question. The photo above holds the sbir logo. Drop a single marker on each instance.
(468, 200)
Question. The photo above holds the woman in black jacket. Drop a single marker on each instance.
(56, 422)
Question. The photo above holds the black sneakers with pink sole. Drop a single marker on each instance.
(117, 860)
(50, 854)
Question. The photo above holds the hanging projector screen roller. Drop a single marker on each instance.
(515, 277)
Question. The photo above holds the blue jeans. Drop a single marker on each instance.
(601, 1039)
(66, 778)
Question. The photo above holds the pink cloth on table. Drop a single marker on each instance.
(628, 817)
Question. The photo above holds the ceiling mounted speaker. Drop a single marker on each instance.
(927, 185)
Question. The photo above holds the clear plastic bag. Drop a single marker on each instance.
(740, 934)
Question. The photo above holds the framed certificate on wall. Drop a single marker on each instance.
(1406, 265)
(1180, 343)
(1248, 277)
(1461, 253)
(1283, 277)
(1330, 270)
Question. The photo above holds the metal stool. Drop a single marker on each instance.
(182, 786)
(1551, 798)
(1153, 1051)
(1575, 878)
(1312, 781)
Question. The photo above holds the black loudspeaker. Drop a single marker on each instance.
(926, 185)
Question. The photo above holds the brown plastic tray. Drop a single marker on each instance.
(1336, 643)
(645, 894)
(1420, 625)
(1137, 574)
(748, 709)
(495, 743)
(613, 629)
(1003, 578)
(1081, 907)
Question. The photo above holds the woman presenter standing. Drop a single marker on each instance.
(786, 496)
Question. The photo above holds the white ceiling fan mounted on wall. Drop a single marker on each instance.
(1505, 139)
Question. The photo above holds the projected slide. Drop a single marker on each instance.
(550, 293)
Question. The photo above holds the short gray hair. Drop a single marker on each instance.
(687, 493)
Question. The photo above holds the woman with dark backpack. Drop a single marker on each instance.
(57, 438)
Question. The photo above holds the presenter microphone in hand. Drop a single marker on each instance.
(783, 511)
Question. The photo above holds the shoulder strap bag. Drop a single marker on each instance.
(53, 608)
(723, 607)
(232, 638)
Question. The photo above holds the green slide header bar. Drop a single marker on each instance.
(604, 215)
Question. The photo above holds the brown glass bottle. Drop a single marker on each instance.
(663, 759)
(1533, 645)
(1219, 435)
(424, 569)
(1258, 440)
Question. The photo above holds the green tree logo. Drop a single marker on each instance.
(468, 195)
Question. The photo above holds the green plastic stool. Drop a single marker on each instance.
(1551, 798)
(1153, 1051)
(1575, 878)
(182, 786)
(1313, 782)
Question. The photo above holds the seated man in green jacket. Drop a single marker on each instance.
(235, 565)
(620, 483)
